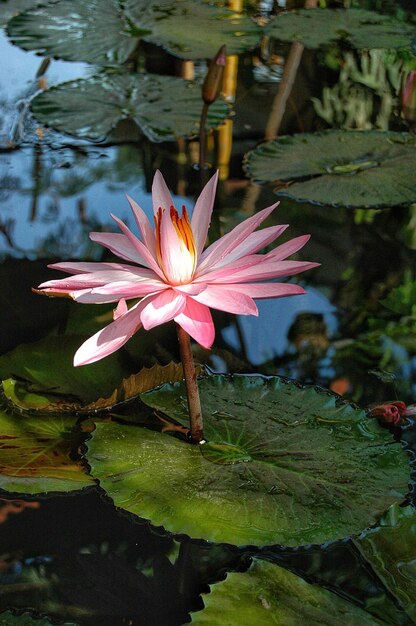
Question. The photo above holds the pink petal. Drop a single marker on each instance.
(191, 289)
(130, 289)
(144, 226)
(268, 290)
(253, 243)
(77, 267)
(85, 281)
(110, 338)
(217, 251)
(196, 320)
(162, 308)
(120, 310)
(224, 298)
(288, 248)
(201, 216)
(160, 193)
(147, 258)
(119, 245)
(262, 271)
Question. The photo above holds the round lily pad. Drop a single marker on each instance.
(164, 107)
(390, 549)
(92, 31)
(282, 464)
(35, 454)
(268, 595)
(192, 30)
(340, 168)
(360, 28)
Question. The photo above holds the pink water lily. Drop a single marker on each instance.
(172, 274)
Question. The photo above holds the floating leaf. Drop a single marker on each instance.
(360, 28)
(283, 464)
(342, 168)
(47, 368)
(35, 454)
(391, 551)
(192, 30)
(163, 107)
(92, 31)
(268, 595)
(9, 619)
(19, 395)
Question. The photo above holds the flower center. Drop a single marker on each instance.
(176, 258)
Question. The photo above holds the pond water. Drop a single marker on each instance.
(73, 548)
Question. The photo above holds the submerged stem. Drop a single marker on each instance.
(194, 404)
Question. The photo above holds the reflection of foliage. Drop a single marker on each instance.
(387, 343)
(366, 93)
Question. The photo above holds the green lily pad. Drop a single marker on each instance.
(360, 28)
(192, 30)
(20, 396)
(340, 168)
(283, 464)
(46, 367)
(73, 30)
(391, 551)
(163, 107)
(35, 454)
(268, 595)
(9, 619)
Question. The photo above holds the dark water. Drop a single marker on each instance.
(77, 559)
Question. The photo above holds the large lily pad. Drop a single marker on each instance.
(283, 464)
(73, 29)
(35, 454)
(362, 29)
(163, 107)
(47, 367)
(340, 168)
(9, 619)
(391, 551)
(192, 30)
(92, 31)
(268, 595)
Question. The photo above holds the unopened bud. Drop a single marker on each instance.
(409, 98)
(213, 80)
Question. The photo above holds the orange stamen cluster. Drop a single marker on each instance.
(183, 228)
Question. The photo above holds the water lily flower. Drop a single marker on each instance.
(173, 276)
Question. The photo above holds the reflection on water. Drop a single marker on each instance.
(76, 557)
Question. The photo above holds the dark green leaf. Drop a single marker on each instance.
(192, 30)
(284, 464)
(268, 595)
(163, 107)
(362, 29)
(340, 168)
(47, 367)
(74, 30)
(391, 550)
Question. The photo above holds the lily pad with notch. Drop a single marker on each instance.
(282, 464)
(192, 30)
(371, 169)
(358, 27)
(164, 107)
(35, 454)
(73, 30)
(268, 595)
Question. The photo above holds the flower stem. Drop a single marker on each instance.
(194, 404)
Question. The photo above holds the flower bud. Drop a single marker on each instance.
(213, 80)
(408, 98)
